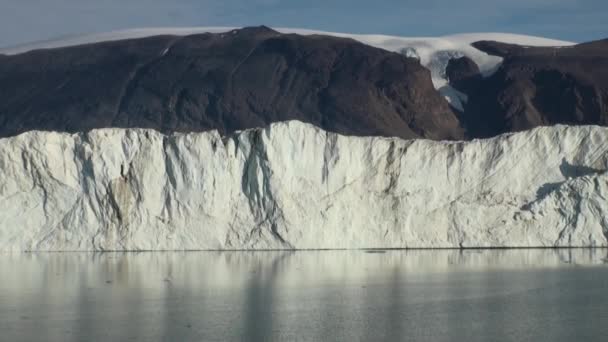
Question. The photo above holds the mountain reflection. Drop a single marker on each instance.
(307, 295)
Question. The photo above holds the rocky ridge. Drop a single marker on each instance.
(226, 81)
(534, 86)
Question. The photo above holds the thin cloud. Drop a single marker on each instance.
(31, 20)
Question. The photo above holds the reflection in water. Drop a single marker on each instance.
(324, 295)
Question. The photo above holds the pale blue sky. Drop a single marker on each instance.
(24, 21)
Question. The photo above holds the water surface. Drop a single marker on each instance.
(448, 295)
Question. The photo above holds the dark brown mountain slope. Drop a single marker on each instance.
(536, 86)
(231, 81)
(254, 76)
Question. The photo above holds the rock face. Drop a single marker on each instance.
(537, 86)
(292, 185)
(225, 81)
(462, 71)
(255, 76)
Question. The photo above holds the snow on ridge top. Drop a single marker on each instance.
(74, 40)
(393, 43)
(434, 52)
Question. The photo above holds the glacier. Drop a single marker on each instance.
(294, 186)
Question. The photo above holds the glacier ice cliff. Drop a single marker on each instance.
(294, 186)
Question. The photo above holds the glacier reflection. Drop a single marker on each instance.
(307, 295)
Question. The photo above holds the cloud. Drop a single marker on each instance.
(29, 20)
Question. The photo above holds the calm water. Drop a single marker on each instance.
(493, 295)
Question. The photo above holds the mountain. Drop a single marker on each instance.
(226, 81)
(536, 86)
(293, 185)
(183, 80)
(258, 139)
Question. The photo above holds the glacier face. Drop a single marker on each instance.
(292, 185)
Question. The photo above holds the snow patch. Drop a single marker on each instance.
(455, 98)
(410, 52)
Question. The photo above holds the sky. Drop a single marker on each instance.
(23, 21)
